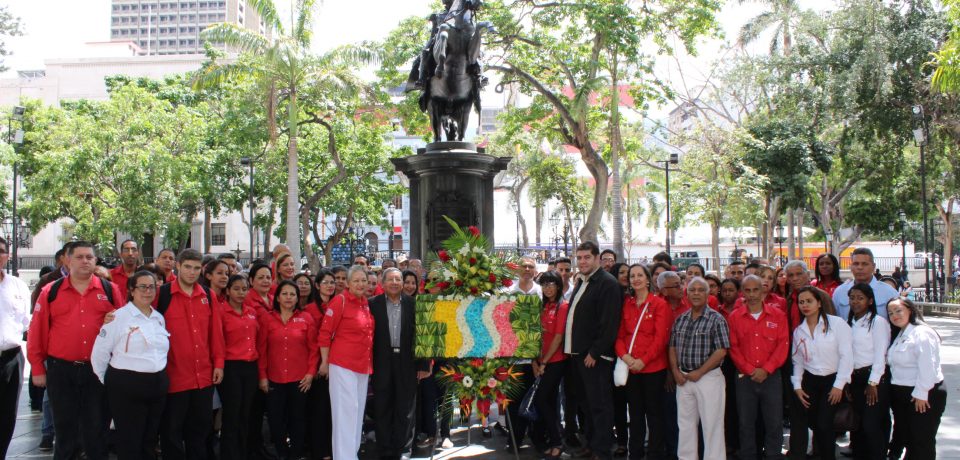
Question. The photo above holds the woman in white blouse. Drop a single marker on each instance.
(130, 358)
(822, 364)
(870, 387)
(917, 393)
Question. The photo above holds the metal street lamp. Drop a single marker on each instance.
(920, 135)
(15, 138)
(516, 209)
(780, 240)
(247, 161)
(674, 159)
(392, 208)
(903, 243)
(555, 222)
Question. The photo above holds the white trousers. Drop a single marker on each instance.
(702, 402)
(348, 397)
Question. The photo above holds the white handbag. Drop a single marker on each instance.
(621, 371)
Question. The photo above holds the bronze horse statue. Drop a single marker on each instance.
(452, 85)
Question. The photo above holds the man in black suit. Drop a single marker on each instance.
(592, 323)
(395, 370)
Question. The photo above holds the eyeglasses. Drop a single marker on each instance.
(328, 283)
(146, 287)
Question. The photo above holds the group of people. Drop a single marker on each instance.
(177, 351)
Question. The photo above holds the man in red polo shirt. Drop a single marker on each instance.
(59, 344)
(129, 261)
(194, 363)
(759, 341)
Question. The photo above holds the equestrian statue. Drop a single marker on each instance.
(447, 71)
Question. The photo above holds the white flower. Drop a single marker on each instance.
(467, 381)
(454, 263)
(448, 274)
(465, 250)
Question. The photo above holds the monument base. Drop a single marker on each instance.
(453, 179)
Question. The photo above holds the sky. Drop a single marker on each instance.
(60, 28)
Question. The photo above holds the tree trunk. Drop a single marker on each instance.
(791, 235)
(947, 215)
(599, 172)
(268, 231)
(714, 246)
(538, 211)
(616, 198)
(799, 220)
(293, 184)
(207, 230)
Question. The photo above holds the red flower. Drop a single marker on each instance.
(485, 390)
(474, 230)
(473, 261)
(457, 377)
(474, 290)
(501, 374)
(512, 266)
(483, 406)
(507, 282)
(476, 362)
(458, 283)
(443, 285)
(443, 255)
(501, 398)
(493, 278)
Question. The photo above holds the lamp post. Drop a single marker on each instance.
(674, 159)
(903, 243)
(920, 136)
(247, 161)
(516, 210)
(392, 208)
(780, 241)
(14, 139)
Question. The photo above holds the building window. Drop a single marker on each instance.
(218, 234)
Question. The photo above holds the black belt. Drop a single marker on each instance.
(72, 363)
(863, 370)
(9, 354)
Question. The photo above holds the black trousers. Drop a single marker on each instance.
(731, 424)
(319, 420)
(920, 429)
(77, 397)
(236, 393)
(518, 425)
(573, 416)
(286, 413)
(255, 442)
(187, 421)
(645, 396)
(394, 403)
(547, 404)
(11, 376)
(432, 405)
(620, 414)
(136, 404)
(598, 404)
(818, 417)
(870, 441)
(765, 399)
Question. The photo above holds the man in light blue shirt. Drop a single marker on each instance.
(862, 267)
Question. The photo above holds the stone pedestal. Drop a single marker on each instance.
(453, 179)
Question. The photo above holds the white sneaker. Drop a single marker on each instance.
(447, 443)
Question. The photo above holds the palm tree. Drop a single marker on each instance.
(783, 16)
(282, 64)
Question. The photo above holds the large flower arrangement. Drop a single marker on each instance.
(465, 267)
(472, 321)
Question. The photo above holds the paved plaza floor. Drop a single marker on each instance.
(27, 435)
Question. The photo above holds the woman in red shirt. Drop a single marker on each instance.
(647, 359)
(215, 276)
(288, 362)
(259, 297)
(551, 364)
(346, 348)
(319, 425)
(305, 289)
(828, 273)
(285, 269)
(239, 383)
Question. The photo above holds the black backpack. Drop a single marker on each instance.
(164, 297)
(107, 289)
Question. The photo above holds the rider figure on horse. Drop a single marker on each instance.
(422, 70)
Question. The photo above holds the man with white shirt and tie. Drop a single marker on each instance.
(592, 324)
(14, 320)
(862, 267)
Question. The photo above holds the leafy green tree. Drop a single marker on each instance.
(561, 53)
(9, 27)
